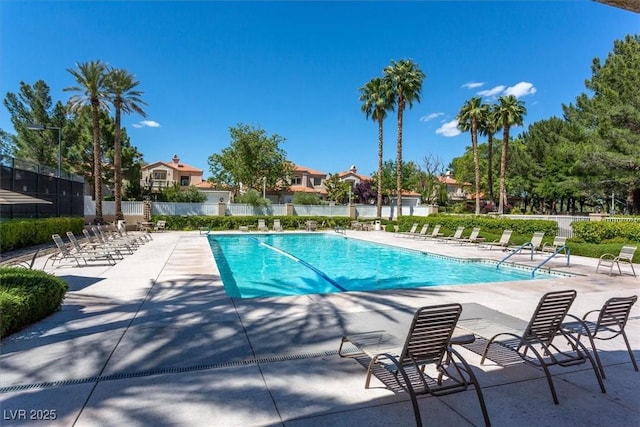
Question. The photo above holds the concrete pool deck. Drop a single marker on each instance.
(154, 340)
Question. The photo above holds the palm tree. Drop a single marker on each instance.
(488, 126)
(510, 112)
(377, 98)
(469, 118)
(121, 87)
(405, 78)
(90, 77)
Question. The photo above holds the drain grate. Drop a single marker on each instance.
(162, 371)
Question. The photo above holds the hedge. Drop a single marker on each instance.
(605, 231)
(488, 224)
(27, 296)
(22, 233)
(222, 223)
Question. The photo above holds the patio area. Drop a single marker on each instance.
(154, 340)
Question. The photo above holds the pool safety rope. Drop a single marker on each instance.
(303, 262)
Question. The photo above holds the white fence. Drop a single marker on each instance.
(564, 221)
(320, 210)
(361, 211)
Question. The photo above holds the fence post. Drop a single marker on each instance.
(597, 216)
(222, 208)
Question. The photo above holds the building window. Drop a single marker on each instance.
(160, 175)
(297, 180)
(184, 181)
(316, 182)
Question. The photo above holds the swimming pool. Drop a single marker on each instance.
(260, 265)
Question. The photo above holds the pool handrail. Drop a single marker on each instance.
(516, 250)
(567, 250)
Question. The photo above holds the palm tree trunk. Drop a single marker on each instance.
(490, 165)
(399, 161)
(503, 170)
(117, 166)
(97, 162)
(476, 161)
(380, 147)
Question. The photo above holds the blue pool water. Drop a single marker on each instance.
(260, 265)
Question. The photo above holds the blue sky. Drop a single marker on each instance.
(294, 67)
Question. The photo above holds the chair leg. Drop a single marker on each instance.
(473, 380)
(633, 359)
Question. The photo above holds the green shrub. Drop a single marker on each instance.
(21, 233)
(223, 223)
(488, 225)
(605, 231)
(27, 296)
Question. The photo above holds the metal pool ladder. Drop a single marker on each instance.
(565, 248)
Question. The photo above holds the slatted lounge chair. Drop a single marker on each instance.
(94, 252)
(97, 242)
(427, 349)
(69, 252)
(262, 226)
(311, 225)
(277, 226)
(533, 245)
(422, 232)
(625, 257)
(435, 233)
(64, 252)
(455, 236)
(536, 346)
(411, 232)
(111, 236)
(503, 242)
(610, 323)
(473, 237)
(142, 237)
(558, 242)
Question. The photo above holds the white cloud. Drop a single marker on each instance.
(146, 123)
(449, 129)
(431, 116)
(494, 91)
(473, 85)
(521, 89)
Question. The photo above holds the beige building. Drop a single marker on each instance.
(158, 175)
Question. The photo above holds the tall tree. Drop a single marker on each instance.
(33, 105)
(511, 112)
(338, 191)
(469, 117)
(377, 98)
(91, 79)
(125, 98)
(488, 126)
(611, 117)
(405, 78)
(253, 159)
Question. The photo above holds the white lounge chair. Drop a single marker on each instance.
(503, 242)
(625, 256)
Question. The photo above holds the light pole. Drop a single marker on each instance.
(39, 127)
